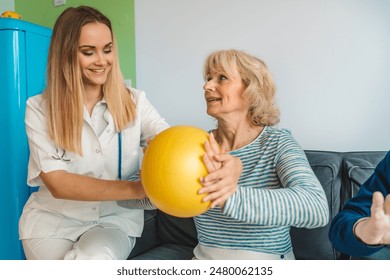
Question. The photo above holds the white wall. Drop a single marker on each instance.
(330, 60)
(7, 5)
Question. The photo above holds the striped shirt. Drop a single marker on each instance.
(277, 189)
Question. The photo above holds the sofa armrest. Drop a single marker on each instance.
(314, 244)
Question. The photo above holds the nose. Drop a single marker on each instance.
(100, 60)
(209, 85)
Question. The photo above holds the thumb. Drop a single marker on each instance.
(377, 203)
(387, 205)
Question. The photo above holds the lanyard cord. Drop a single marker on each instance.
(120, 155)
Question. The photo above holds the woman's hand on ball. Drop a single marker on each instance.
(212, 149)
(224, 172)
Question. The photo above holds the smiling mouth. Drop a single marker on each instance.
(213, 99)
(98, 71)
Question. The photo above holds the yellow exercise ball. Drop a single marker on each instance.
(171, 169)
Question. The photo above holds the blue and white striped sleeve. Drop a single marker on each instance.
(299, 202)
(144, 203)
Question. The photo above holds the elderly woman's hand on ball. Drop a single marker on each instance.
(224, 172)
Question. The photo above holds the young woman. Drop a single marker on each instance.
(84, 131)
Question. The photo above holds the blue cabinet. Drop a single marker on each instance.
(23, 55)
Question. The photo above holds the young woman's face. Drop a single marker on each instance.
(95, 53)
(224, 94)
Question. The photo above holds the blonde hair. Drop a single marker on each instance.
(65, 90)
(259, 86)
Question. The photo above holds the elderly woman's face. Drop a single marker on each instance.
(224, 94)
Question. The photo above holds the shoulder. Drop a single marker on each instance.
(141, 101)
(35, 100)
(277, 134)
(277, 131)
(137, 94)
(36, 103)
(281, 141)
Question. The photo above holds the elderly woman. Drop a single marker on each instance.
(260, 182)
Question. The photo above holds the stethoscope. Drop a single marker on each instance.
(120, 155)
(63, 158)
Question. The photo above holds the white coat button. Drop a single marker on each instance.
(93, 208)
(97, 150)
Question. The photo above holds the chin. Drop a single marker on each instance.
(211, 113)
(97, 82)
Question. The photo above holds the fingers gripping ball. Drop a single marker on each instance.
(171, 168)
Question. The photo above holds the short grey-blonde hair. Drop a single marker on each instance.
(259, 86)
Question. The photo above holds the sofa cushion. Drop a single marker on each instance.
(168, 252)
(314, 243)
(358, 167)
(327, 168)
(174, 230)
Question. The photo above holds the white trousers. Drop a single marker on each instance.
(98, 243)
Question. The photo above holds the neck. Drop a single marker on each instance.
(92, 96)
(231, 137)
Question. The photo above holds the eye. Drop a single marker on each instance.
(222, 78)
(87, 50)
(87, 53)
(107, 50)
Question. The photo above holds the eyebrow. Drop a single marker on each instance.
(93, 47)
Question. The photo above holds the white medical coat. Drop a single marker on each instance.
(47, 217)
